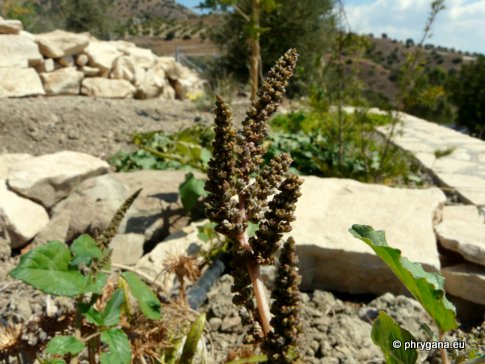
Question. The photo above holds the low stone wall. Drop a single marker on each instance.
(59, 196)
(64, 63)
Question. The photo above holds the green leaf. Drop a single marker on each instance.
(111, 313)
(427, 288)
(391, 338)
(147, 300)
(64, 345)
(119, 348)
(84, 249)
(193, 338)
(47, 269)
(53, 361)
(191, 190)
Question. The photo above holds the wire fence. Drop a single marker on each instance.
(196, 56)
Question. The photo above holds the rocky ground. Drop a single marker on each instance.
(100, 127)
(336, 330)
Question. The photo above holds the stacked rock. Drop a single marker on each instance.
(64, 63)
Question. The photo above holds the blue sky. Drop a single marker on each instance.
(461, 25)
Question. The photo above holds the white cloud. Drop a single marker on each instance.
(461, 25)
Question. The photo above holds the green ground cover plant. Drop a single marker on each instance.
(118, 317)
(428, 289)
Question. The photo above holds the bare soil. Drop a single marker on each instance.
(100, 127)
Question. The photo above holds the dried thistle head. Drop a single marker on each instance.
(186, 268)
(10, 338)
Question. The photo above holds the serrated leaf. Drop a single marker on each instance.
(47, 269)
(84, 249)
(64, 345)
(391, 338)
(191, 190)
(147, 300)
(119, 348)
(427, 288)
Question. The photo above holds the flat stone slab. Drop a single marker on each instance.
(155, 213)
(460, 168)
(49, 178)
(10, 159)
(18, 51)
(330, 256)
(463, 213)
(20, 218)
(19, 82)
(59, 43)
(466, 281)
(127, 248)
(466, 238)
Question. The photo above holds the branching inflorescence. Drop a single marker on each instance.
(239, 190)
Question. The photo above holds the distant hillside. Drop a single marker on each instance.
(121, 9)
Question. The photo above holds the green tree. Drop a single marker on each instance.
(468, 94)
(303, 24)
(89, 16)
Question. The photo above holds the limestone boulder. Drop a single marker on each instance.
(90, 71)
(64, 81)
(463, 213)
(10, 26)
(47, 65)
(20, 218)
(331, 258)
(90, 206)
(127, 248)
(49, 178)
(150, 86)
(19, 82)
(466, 281)
(124, 68)
(466, 238)
(9, 160)
(59, 43)
(102, 54)
(67, 61)
(141, 56)
(168, 93)
(82, 60)
(109, 88)
(18, 51)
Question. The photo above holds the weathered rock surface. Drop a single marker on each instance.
(59, 43)
(104, 87)
(90, 206)
(64, 81)
(19, 82)
(127, 248)
(464, 213)
(8, 160)
(10, 26)
(330, 256)
(20, 218)
(49, 178)
(466, 281)
(102, 54)
(466, 238)
(18, 51)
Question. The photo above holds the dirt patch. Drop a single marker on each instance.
(99, 127)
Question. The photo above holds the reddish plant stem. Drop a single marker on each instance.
(255, 275)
